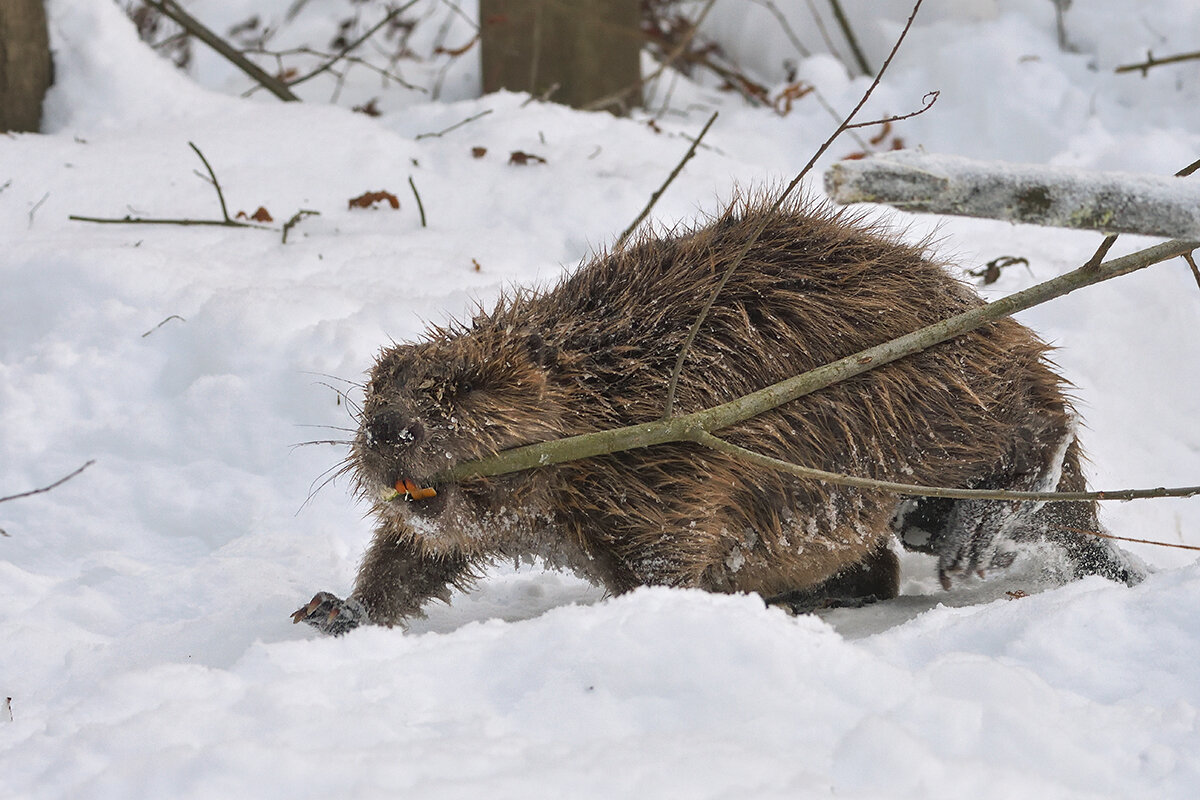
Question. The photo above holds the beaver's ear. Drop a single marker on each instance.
(542, 353)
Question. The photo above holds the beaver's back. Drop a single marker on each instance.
(815, 287)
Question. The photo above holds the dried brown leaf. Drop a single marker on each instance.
(369, 199)
(370, 108)
(520, 158)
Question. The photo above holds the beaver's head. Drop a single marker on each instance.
(463, 393)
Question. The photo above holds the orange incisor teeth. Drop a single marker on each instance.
(405, 486)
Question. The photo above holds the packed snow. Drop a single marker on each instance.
(147, 646)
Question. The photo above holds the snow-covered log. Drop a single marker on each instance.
(1111, 202)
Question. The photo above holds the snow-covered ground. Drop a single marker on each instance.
(145, 641)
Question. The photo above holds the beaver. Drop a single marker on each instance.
(985, 410)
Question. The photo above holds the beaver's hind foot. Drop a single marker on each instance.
(330, 614)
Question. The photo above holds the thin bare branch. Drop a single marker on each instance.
(848, 32)
(820, 25)
(1189, 169)
(1191, 262)
(785, 26)
(926, 103)
(657, 194)
(1104, 535)
(279, 55)
(349, 48)
(805, 53)
(715, 443)
(669, 408)
(1102, 251)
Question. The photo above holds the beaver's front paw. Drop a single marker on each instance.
(332, 615)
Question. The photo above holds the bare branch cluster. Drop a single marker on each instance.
(250, 40)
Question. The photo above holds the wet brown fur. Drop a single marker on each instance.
(596, 352)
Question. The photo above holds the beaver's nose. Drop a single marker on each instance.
(390, 428)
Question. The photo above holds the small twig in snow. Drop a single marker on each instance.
(224, 222)
(44, 489)
(164, 322)
(1151, 61)
(36, 206)
(299, 215)
(216, 183)
(455, 126)
(279, 55)
(420, 205)
(544, 96)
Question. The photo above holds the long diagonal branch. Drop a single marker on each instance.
(688, 427)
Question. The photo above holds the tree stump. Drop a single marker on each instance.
(588, 49)
(25, 68)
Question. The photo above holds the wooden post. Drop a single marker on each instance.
(587, 48)
(25, 69)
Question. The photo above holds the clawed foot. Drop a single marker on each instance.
(330, 614)
(959, 565)
(978, 539)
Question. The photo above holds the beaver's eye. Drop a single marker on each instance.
(465, 385)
